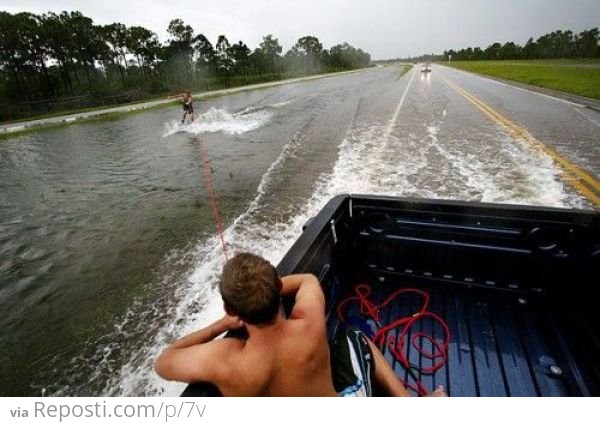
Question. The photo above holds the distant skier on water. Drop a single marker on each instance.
(188, 107)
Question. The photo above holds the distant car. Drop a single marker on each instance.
(426, 67)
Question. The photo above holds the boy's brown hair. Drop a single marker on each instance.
(251, 289)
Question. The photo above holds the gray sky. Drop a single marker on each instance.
(384, 28)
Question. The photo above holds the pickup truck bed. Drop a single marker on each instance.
(513, 284)
(498, 347)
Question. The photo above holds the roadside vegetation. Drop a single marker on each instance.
(561, 60)
(111, 115)
(567, 76)
(57, 63)
(555, 45)
(108, 116)
(584, 46)
(405, 69)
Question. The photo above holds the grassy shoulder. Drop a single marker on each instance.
(109, 116)
(571, 76)
(237, 82)
(405, 69)
(114, 115)
(68, 112)
(104, 117)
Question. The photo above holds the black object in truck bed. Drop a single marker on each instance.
(514, 284)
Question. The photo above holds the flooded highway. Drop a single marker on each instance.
(108, 247)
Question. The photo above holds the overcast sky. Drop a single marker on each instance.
(384, 28)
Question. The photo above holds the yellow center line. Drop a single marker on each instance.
(585, 183)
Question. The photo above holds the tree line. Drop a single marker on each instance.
(555, 45)
(54, 62)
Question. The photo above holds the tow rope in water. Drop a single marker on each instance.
(208, 183)
(397, 345)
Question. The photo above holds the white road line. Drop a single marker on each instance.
(562, 100)
(576, 106)
(594, 121)
(390, 127)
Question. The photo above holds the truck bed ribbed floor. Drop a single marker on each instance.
(498, 347)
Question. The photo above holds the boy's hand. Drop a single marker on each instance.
(231, 322)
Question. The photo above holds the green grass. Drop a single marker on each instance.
(571, 76)
(110, 116)
(540, 62)
(68, 112)
(405, 68)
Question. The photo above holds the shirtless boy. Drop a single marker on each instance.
(283, 356)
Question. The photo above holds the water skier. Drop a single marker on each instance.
(188, 106)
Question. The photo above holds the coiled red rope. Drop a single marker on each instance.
(398, 345)
(208, 182)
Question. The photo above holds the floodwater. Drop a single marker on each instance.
(108, 246)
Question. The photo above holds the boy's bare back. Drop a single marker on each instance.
(286, 357)
(289, 359)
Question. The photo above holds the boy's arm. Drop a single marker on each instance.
(291, 283)
(208, 333)
(309, 298)
(175, 362)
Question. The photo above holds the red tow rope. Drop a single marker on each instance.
(398, 345)
(208, 182)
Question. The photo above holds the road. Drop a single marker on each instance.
(107, 237)
(564, 130)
